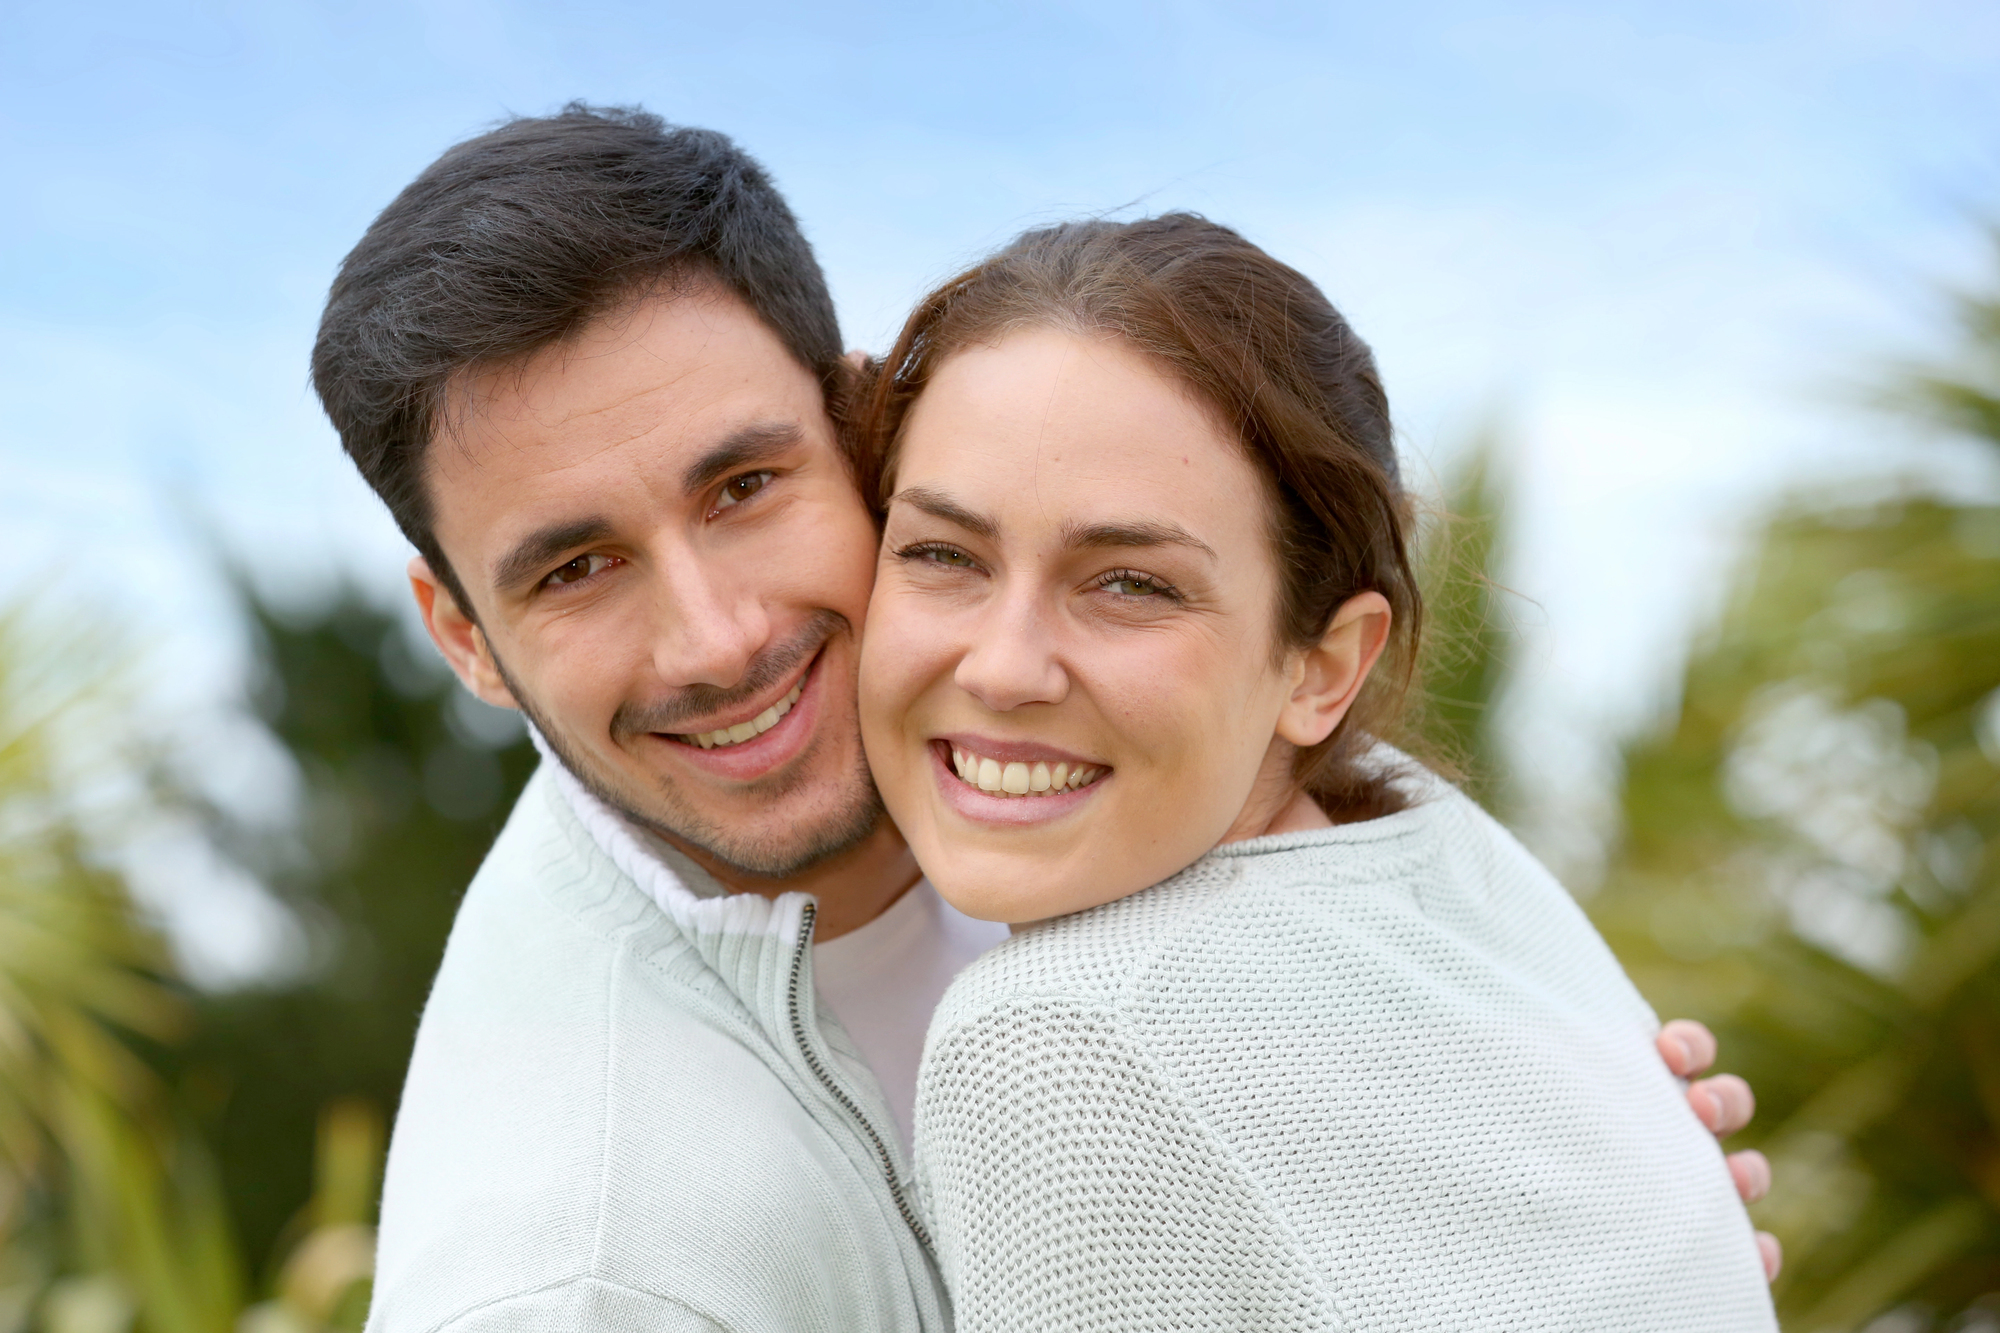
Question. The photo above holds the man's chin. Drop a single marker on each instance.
(784, 848)
(795, 819)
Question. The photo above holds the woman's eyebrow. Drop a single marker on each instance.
(1139, 532)
(941, 506)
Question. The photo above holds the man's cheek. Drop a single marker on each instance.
(581, 684)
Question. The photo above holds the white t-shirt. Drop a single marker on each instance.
(883, 981)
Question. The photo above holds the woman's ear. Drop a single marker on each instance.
(1327, 677)
(458, 636)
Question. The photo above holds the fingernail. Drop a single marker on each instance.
(1772, 1253)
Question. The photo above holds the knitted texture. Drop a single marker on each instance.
(1380, 1076)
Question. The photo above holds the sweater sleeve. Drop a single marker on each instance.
(587, 1306)
(1072, 1188)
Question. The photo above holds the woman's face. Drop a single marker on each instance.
(1068, 690)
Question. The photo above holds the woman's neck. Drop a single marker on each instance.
(1276, 804)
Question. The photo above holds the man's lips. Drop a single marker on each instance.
(768, 749)
(740, 732)
(752, 719)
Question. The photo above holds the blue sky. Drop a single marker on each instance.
(1663, 245)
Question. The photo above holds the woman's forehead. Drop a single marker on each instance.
(1073, 429)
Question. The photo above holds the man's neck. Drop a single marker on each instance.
(853, 887)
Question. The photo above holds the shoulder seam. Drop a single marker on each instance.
(460, 1316)
(1143, 960)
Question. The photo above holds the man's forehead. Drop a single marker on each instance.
(641, 395)
(640, 371)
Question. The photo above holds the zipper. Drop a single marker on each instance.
(809, 914)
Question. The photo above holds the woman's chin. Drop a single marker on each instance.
(1013, 890)
(1024, 857)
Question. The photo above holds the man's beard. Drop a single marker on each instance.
(673, 818)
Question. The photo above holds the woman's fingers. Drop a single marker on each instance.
(1752, 1174)
(1723, 1103)
(1773, 1255)
(1687, 1047)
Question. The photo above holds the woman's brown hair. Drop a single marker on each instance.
(1259, 343)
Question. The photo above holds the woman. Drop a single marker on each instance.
(1289, 1034)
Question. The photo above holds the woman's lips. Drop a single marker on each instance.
(1039, 797)
(1018, 777)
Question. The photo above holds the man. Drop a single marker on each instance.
(588, 362)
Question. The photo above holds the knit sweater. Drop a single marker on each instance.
(1379, 1076)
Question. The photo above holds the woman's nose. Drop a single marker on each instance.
(1012, 660)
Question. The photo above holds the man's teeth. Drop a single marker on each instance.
(756, 726)
(1018, 779)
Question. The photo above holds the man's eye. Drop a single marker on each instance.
(577, 570)
(738, 489)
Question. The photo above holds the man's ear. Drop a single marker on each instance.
(1327, 677)
(457, 636)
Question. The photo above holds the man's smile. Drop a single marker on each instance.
(759, 736)
(738, 732)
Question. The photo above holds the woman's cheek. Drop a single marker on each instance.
(895, 664)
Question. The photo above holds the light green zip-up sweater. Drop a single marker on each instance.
(624, 1111)
(1374, 1078)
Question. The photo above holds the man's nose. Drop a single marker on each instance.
(1013, 657)
(710, 628)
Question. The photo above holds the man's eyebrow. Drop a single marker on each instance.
(941, 506)
(532, 555)
(737, 450)
(1139, 532)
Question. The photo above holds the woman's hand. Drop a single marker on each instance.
(1725, 1104)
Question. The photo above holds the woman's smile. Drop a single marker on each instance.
(1010, 783)
(1018, 777)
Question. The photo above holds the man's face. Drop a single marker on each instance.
(669, 566)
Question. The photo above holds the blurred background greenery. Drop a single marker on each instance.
(1805, 852)
(1803, 859)
(187, 1162)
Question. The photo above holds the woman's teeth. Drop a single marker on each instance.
(1018, 779)
(756, 726)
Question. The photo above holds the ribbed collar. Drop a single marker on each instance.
(689, 895)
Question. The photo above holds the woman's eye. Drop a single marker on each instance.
(1127, 584)
(738, 489)
(577, 570)
(948, 556)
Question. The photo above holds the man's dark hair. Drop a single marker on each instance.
(513, 242)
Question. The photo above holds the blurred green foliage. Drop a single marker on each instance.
(109, 1207)
(1809, 861)
(1468, 631)
(406, 780)
(1807, 866)
(167, 1155)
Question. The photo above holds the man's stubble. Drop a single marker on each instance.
(673, 817)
